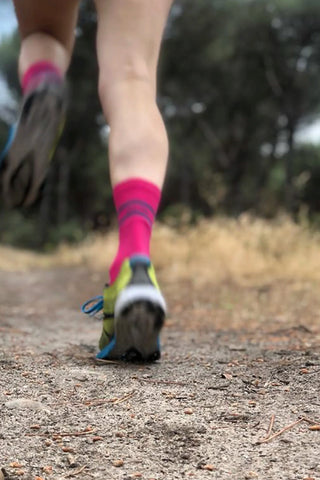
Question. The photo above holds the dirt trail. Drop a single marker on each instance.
(233, 356)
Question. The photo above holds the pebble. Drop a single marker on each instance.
(250, 475)
(81, 378)
(208, 467)
(185, 456)
(68, 449)
(188, 411)
(47, 469)
(72, 461)
(20, 403)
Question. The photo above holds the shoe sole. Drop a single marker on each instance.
(29, 157)
(139, 316)
(137, 331)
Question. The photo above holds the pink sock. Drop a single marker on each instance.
(136, 202)
(39, 71)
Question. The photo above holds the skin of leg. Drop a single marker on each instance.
(128, 44)
(47, 31)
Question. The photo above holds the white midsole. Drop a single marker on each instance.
(136, 293)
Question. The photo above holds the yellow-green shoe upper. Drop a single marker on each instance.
(136, 282)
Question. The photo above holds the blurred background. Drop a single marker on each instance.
(239, 88)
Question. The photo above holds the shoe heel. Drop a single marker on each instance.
(137, 331)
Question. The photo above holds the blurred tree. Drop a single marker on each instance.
(237, 80)
(243, 84)
(76, 190)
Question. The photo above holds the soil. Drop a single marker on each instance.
(235, 357)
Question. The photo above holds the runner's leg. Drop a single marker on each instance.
(47, 31)
(128, 44)
(47, 38)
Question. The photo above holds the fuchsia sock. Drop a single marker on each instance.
(136, 202)
(39, 71)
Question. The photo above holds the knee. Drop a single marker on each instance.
(119, 76)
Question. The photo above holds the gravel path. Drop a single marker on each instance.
(202, 412)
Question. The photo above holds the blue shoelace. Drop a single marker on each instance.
(93, 306)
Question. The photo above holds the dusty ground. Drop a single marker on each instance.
(235, 354)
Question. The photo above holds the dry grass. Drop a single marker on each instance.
(243, 250)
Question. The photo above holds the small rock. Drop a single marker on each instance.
(188, 411)
(72, 461)
(81, 378)
(250, 475)
(185, 456)
(304, 371)
(202, 430)
(208, 467)
(20, 403)
(262, 391)
(47, 469)
(118, 463)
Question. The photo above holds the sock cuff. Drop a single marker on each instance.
(136, 189)
(136, 201)
(37, 69)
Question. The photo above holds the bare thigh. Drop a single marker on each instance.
(56, 18)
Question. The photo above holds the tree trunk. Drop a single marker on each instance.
(63, 186)
(289, 189)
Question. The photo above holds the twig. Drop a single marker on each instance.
(314, 427)
(11, 330)
(76, 472)
(279, 432)
(159, 382)
(95, 402)
(61, 434)
(309, 420)
(270, 427)
(126, 397)
(72, 434)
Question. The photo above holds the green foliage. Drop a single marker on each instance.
(242, 83)
(18, 230)
(21, 230)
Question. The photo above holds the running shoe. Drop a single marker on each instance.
(133, 313)
(26, 158)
